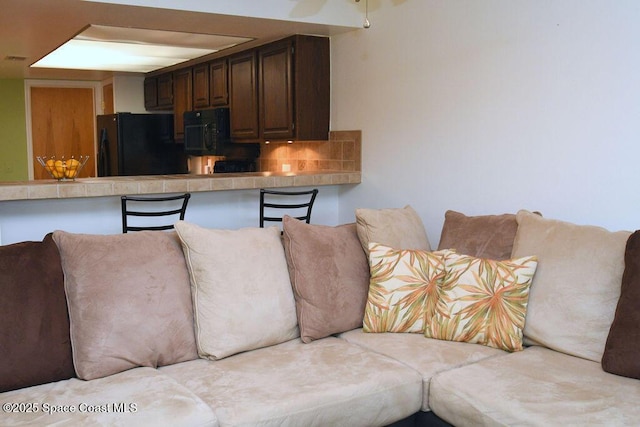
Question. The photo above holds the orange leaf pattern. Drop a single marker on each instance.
(485, 301)
(403, 290)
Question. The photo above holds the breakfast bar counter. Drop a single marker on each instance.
(161, 184)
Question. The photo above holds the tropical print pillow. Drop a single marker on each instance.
(403, 290)
(485, 301)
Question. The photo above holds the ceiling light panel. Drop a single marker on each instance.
(133, 49)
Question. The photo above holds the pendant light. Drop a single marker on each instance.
(366, 23)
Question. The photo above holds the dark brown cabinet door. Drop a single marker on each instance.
(243, 97)
(276, 91)
(218, 83)
(295, 89)
(165, 91)
(311, 87)
(201, 86)
(183, 100)
(151, 93)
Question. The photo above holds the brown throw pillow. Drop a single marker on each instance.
(35, 347)
(622, 351)
(330, 277)
(485, 236)
(129, 301)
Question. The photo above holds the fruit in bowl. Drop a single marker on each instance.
(72, 168)
(63, 169)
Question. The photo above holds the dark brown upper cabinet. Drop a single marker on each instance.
(243, 97)
(201, 86)
(218, 83)
(279, 91)
(158, 92)
(165, 91)
(182, 100)
(276, 90)
(151, 93)
(210, 84)
(294, 82)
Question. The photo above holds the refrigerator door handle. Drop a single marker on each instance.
(104, 165)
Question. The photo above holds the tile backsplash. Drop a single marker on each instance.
(342, 152)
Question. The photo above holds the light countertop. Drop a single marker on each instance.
(159, 184)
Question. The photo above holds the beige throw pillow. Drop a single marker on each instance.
(330, 277)
(242, 297)
(129, 301)
(396, 228)
(577, 285)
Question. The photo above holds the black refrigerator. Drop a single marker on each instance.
(138, 144)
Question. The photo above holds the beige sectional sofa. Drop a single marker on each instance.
(354, 325)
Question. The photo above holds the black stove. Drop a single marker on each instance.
(234, 166)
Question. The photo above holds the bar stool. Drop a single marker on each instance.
(133, 206)
(290, 201)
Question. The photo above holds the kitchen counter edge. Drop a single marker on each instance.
(161, 184)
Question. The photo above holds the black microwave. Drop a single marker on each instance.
(206, 132)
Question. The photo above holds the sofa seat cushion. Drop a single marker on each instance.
(140, 397)
(325, 382)
(425, 355)
(538, 386)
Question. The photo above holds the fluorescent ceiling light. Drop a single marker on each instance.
(133, 49)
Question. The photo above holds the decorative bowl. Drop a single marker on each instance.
(63, 169)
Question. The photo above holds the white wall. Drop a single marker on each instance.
(128, 94)
(344, 13)
(32, 219)
(490, 106)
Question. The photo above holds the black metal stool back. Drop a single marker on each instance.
(292, 206)
(133, 206)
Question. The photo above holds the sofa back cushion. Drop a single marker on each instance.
(35, 346)
(330, 277)
(241, 290)
(393, 227)
(129, 301)
(577, 283)
(622, 352)
(483, 236)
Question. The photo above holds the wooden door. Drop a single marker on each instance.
(243, 97)
(62, 125)
(182, 100)
(276, 91)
